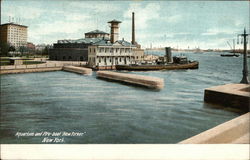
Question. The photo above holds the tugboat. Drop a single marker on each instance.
(164, 63)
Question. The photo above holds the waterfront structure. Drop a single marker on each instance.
(14, 34)
(76, 50)
(105, 55)
(100, 49)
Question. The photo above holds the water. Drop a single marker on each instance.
(108, 112)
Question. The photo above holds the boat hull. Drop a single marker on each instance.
(229, 55)
(191, 65)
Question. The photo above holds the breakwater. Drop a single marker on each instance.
(229, 95)
(145, 81)
(75, 69)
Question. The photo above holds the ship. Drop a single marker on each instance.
(232, 53)
(179, 62)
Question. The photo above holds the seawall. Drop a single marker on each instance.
(145, 81)
(80, 70)
(229, 95)
(235, 131)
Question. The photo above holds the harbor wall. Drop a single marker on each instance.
(229, 95)
(235, 131)
(30, 70)
(145, 81)
(48, 66)
(75, 69)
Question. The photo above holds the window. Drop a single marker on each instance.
(81, 58)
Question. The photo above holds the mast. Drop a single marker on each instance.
(233, 46)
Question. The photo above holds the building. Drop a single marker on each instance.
(76, 50)
(105, 55)
(102, 50)
(14, 34)
(31, 46)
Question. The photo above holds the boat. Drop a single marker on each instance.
(178, 63)
(233, 51)
(230, 55)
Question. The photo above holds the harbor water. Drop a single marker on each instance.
(109, 112)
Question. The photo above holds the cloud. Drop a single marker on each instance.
(143, 14)
(173, 19)
(217, 31)
(28, 13)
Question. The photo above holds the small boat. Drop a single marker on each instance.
(229, 55)
(179, 63)
(233, 51)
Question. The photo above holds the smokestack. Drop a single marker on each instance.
(133, 28)
(114, 30)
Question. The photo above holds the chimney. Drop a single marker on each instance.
(133, 28)
(114, 30)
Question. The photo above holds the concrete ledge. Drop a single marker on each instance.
(230, 95)
(233, 131)
(145, 81)
(80, 70)
(29, 70)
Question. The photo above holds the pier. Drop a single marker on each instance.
(230, 95)
(45, 67)
(81, 70)
(145, 81)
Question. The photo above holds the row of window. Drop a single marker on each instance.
(111, 50)
(64, 58)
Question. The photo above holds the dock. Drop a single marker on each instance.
(80, 70)
(139, 80)
(229, 95)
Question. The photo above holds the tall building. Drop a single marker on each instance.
(14, 34)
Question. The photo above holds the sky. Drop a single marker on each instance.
(182, 24)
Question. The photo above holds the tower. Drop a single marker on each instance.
(114, 30)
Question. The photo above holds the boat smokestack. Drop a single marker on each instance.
(133, 28)
(168, 54)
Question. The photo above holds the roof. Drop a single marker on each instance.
(114, 21)
(13, 24)
(105, 42)
(124, 43)
(82, 40)
(96, 32)
(97, 42)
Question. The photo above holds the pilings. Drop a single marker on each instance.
(235, 131)
(80, 70)
(145, 81)
(229, 95)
